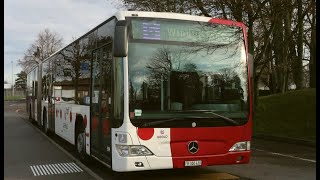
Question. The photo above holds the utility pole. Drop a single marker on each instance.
(12, 80)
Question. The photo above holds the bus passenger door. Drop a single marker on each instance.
(101, 103)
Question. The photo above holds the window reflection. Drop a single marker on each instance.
(167, 77)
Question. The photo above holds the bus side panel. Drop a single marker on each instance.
(65, 118)
(84, 111)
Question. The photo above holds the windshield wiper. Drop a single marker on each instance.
(225, 118)
(146, 124)
(216, 114)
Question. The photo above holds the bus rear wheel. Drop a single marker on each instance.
(30, 115)
(45, 128)
(80, 143)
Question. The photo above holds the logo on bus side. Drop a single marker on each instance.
(162, 136)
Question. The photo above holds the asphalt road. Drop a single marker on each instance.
(270, 159)
(28, 154)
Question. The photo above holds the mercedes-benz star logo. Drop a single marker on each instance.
(193, 147)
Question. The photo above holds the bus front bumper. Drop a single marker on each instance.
(142, 163)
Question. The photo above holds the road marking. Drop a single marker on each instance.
(67, 167)
(39, 170)
(50, 169)
(55, 168)
(24, 116)
(286, 155)
(61, 168)
(36, 170)
(45, 169)
(74, 167)
(33, 171)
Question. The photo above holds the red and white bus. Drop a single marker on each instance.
(150, 90)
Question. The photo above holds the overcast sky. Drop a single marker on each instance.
(24, 19)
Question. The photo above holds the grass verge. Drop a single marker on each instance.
(13, 98)
(291, 114)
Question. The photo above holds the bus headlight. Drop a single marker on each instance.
(133, 150)
(240, 146)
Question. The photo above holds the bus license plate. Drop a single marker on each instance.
(193, 163)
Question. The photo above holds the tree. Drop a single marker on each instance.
(47, 42)
(73, 56)
(310, 41)
(279, 34)
(21, 81)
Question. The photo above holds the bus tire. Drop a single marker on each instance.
(45, 122)
(30, 115)
(80, 142)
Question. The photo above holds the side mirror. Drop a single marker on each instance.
(120, 43)
(251, 65)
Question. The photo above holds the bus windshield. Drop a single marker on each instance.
(186, 74)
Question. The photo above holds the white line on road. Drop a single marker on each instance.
(73, 168)
(62, 168)
(75, 165)
(46, 170)
(286, 155)
(53, 169)
(84, 167)
(33, 171)
(50, 169)
(66, 168)
(39, 170)
(57, 168)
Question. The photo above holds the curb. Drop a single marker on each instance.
(285, 139)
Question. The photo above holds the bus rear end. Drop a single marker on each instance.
(186, 94)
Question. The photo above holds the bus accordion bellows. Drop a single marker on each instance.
(150, 90)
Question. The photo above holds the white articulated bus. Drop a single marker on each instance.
(150, 90)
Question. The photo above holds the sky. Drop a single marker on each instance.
(23, 20)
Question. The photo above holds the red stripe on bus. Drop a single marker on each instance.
(226, 22)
